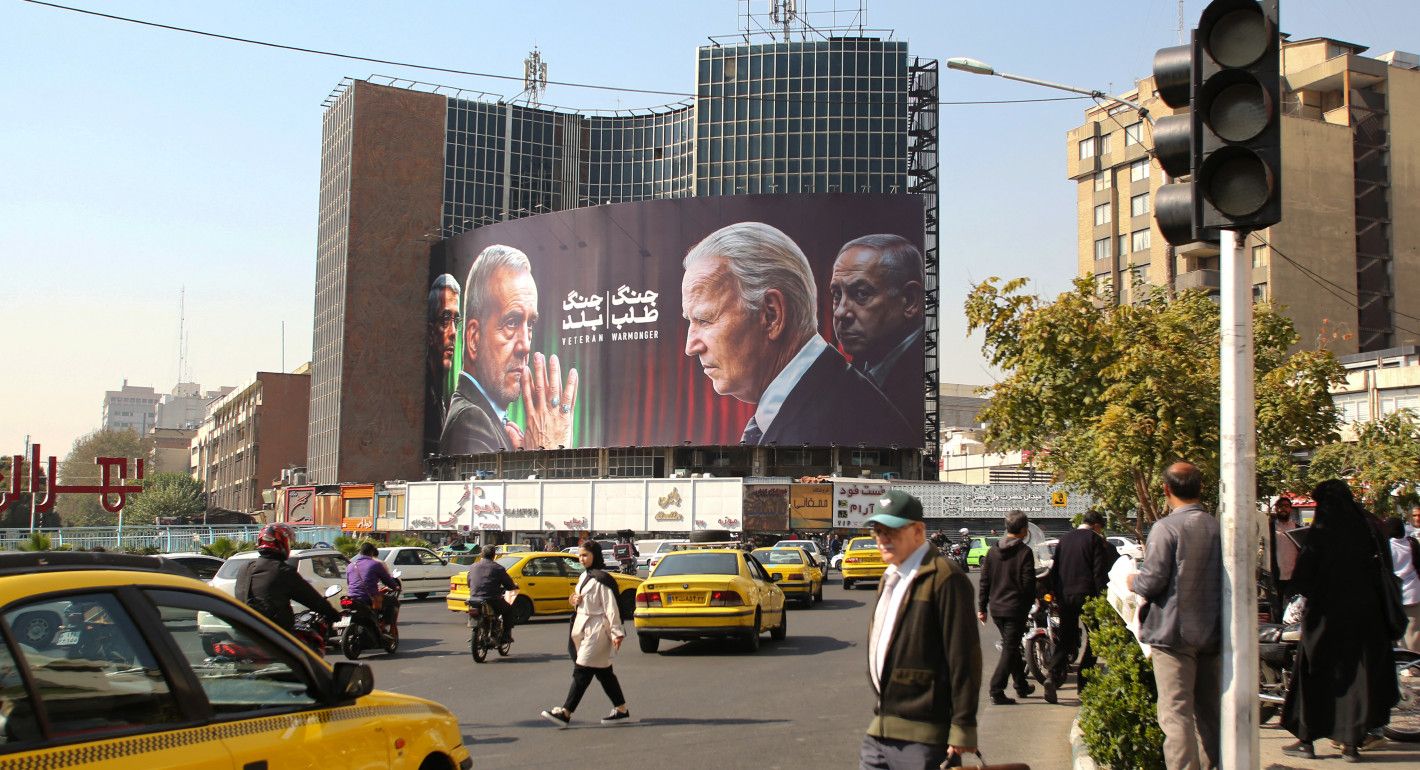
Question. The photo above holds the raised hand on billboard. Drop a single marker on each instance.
(548, 402)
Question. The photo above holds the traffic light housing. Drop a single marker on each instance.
(1233, 131)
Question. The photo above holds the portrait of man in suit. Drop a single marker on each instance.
(876, 289)
(749, 298)
(499, 367)
(443, 332)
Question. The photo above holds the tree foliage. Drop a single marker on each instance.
(1106, 396)
(80, 468)
(166, 494)
(1382, 465)
(1116, 693)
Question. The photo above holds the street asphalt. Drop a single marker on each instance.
(800, 703)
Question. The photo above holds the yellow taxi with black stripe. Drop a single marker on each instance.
(701, 592)
(101, 665)
(800, 576)
(545, 581)
(861, 561)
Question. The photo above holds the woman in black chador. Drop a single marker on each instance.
(1344, 681)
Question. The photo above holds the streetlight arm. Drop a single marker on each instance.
(981, 68)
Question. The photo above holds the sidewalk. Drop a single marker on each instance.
(1274, 738)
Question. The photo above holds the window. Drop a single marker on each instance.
(407, 557)
(1139, 205)
(1123, 244)
(1104, 285)
(1103, 180)
(1139, 240)
(1134, 133)
(1104, 143)
(1355, 410)
(1102, 214)
(429, 558)
(1139, 170)
(20, 724)
(90, 668)
(329, 566)
(1259, 256)
(240, 668)
(1259, 292)
(570, 566)
(1087, 148)
(1102, 248)
(545, 566)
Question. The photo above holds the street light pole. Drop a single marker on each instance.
(963, 64)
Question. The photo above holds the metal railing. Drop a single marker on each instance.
(174, 539)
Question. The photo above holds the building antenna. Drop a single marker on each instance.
(1182, 25)
(283, 346)
(534, 77)
(182, 330)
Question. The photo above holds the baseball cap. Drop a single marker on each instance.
(897, 509)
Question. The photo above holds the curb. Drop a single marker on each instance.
(1079, 756)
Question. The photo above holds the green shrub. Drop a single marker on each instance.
(401, 539)
(1118, 711)
(225, 547)
(38, 541)
(348, 545)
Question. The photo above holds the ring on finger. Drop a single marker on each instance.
(556, 401)
(566, 408)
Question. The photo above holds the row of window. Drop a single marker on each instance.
(1138, 207)
(1139, 240)
(1101, 145)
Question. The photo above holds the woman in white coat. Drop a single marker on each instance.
(596, 636)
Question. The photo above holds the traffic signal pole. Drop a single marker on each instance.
(1238, 517)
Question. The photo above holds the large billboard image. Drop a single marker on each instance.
(758, 319)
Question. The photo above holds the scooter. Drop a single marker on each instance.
(1277, 653)
(958, 554)
(362, 627)
(1041, 635)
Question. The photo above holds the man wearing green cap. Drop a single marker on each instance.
(924, 656)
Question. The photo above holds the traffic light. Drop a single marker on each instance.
(1233, 137)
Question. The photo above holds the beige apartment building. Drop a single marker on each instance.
(249, 437)
(1344, 263)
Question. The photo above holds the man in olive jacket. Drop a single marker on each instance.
(924, 655)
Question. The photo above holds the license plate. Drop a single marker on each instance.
(67, 639)
(675, 598)
(342, 623)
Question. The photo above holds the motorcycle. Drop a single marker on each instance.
(1040, 637)
(485, 631)
(311, 626)
(958, 554)
(361, 627)
(1405, 715)
(1277, 652)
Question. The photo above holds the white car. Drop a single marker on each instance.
(203, 566)
(421, 570)
(321, 567)
(1127, 546)
(665, 547)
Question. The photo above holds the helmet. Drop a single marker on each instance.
(963, 531)
(275, 537)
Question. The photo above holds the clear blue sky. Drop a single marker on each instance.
(136, 161)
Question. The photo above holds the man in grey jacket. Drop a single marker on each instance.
(1181, 578)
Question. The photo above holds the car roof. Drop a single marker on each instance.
(27, 562)
(190, 555)
(294, 554)
(705, 550)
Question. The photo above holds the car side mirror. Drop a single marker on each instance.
(351, 681)
(775, 578)
(443, 561)
(332, 591)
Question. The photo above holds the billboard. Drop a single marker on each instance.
(756, 319)
(810, 506)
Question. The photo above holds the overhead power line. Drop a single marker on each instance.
(470, 73)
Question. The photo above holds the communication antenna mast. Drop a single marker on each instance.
(182, 338)
(534, 77)
(1182, 25)
(782, 12)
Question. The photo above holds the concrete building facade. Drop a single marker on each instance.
(1344, 263)
(131, 407)
(251, 435)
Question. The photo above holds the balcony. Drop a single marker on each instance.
(1198, 279)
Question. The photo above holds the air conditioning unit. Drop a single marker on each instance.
(300, 479)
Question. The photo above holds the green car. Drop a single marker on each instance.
(978, 550)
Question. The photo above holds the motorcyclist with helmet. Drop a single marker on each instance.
(363, 578)
(268, 584)
(487, 580)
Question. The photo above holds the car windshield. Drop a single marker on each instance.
(685, 563)
(778, 556)
(230, 569)
(508, 561)
(862, 545)
(382, 554)
(668, 546)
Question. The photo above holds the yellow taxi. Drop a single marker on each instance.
(709, 592)
(545, 579)
(861, 561)
(800, 576)
(101, 664)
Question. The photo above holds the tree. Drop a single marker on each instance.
(166, 495)
(1382, 464)
(1106, 396)
(79, 468)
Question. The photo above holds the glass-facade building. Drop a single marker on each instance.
(843, 114)
(796, 117)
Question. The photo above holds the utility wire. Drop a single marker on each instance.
(513, 78)
(1348, 297)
